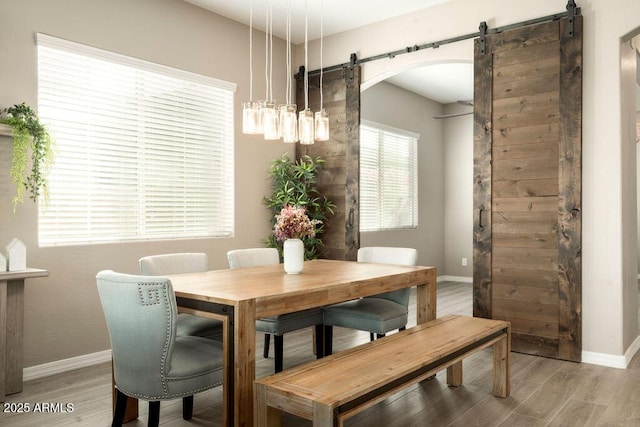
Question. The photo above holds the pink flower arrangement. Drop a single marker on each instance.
(293, 223)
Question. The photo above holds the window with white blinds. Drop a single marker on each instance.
(388, 178)
(143, 151)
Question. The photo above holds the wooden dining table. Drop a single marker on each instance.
(240, 296)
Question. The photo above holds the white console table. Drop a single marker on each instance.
(12, 328)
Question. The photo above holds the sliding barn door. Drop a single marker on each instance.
(527, 185)
(339, 179)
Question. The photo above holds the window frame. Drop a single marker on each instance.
(215, 135)
(367, 126)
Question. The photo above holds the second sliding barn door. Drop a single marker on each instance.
(339, 179)
(527, 185)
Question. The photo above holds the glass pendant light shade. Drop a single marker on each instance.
(322, 125)
(270, 120)
(250, 117)
(305, 126)
(261, 106)
(288, 123)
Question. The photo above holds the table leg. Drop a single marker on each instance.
(11, 336)
(426, 297)
(15, 336)
(244, 362)
(501, 380)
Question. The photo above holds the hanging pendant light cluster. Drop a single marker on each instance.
(263, 117)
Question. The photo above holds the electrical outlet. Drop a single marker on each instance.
(464, 262)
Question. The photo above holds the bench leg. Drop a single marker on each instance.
(322, 415)
(274, 417)
(454, 374)
(264, 416)
(501, 381)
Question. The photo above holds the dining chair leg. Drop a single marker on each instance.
(187, 407)
(154, 414)
(328, 340)
(319, 340)
(121, 408)
(265, 352)
(278, 341)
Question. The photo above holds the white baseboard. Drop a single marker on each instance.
(462, 279)
(612, 360)
(64, 365)
(604, 359)
(632, 350)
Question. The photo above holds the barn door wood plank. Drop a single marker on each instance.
(570, 194)
(482, 138)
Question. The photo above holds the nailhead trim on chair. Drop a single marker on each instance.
(153, 295)
(167, 397)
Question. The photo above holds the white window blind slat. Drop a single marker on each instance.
(144, 151)
(388, 178)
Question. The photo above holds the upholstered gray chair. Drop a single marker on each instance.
(377, 314)
(281, 324)
(178, 263)
(150, 361)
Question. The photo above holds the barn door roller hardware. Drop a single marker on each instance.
(353, 61)
(483, 37)
(572, 10)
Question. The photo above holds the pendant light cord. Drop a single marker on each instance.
(288, 29)
(306, 55)
(270, 50)
(266, 55)
(251, 50)
(321, 50)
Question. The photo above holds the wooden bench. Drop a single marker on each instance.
(329, 390)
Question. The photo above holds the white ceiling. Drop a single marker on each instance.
(444, 83)
(338, 15)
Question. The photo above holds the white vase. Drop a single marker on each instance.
(293, 256)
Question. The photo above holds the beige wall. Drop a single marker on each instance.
(629, 186)
(458, 192)
(392, 106)
(63, 317)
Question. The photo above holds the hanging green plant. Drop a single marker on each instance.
(295, 184)
(29, 173)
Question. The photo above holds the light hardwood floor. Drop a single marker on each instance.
(544, 392)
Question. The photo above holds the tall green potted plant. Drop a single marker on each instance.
(33, 153)
(294, 183)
